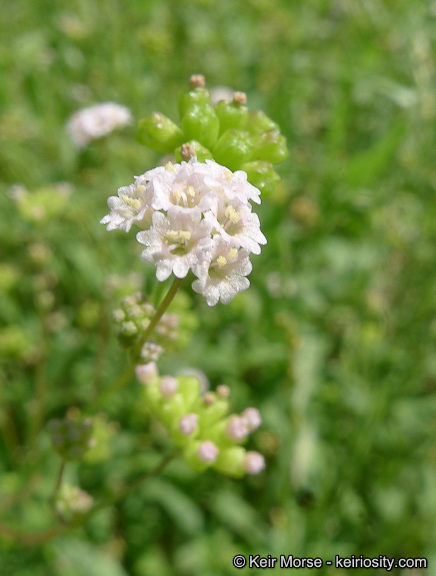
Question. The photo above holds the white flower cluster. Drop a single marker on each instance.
(195, 216)
(97, 121)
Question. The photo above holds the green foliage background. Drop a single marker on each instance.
(335, 341)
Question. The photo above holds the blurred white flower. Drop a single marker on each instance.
(220, 93)
(208, 451)
(97, 121)
(254, 462)
(195, 216)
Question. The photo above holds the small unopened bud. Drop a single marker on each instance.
(240, 98)
(223, 391)
(187, 151)
(197, 81)
(168, 386)
(252, 418)
(151, 351)
(129, 328)
(147, 373)
(254, 463)
(208, 451)
(209, 398)
(188, 424)
(236, 428)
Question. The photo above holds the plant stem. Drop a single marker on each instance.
(135, 484)
(162, 308)
(38, 402)
(129, 372)
(58, 481)
(24, 537)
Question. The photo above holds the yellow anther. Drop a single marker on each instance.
(233, 254)
(221, 261)
(184, 235)
(172, 235)
(191, 191)
(140, 188)
(232, 214)
(132, 202)
(170, 167)
(178, 235)
(177, 191)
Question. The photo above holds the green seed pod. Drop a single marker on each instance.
(210, 414)
(231, 115)
(171, 410)
(230, 461)
(262, 175)
(159, 133)
(152, 396)
(190, 98)
(269, 146)
(259, 122)
(198, 150)
(189, 388)
(201, 123)
(233, 149)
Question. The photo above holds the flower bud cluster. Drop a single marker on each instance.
(208, 436)
(72, 502)
(227, 133)
(71, 438)
(133, 318)
(43, 204)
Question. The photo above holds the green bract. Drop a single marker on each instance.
(227, 133)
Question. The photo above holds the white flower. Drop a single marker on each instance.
(194, 216)
(218, 93)
(176, 242)
(97, 121)
(133, 205)
(223, 276)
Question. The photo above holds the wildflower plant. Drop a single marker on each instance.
(194, 219)
(196, 216)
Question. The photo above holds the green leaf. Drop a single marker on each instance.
(77, 558)
(364, 168)
(183, 510)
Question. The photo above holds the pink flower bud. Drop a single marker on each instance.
(168, 386)
(209, 398)
(252, 418)
(236, 428)
(223, 391)
(208, 451)
(254, 463)
(188, 424)
(147, 373)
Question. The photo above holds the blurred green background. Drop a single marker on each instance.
(335, 341)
